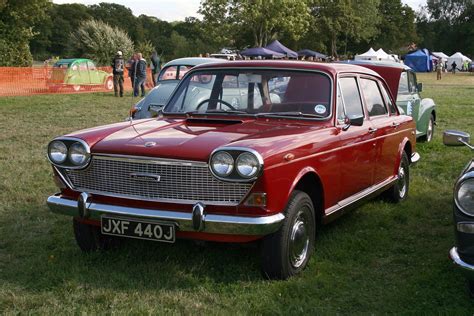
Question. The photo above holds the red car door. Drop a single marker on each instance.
(357, 142)
(385, 126)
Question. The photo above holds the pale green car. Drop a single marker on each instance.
(78, 73)
(408, 97)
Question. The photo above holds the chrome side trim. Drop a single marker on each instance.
(218, 224)
(353, 201)
(466, 268)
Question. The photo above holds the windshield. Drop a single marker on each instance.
(243, 91)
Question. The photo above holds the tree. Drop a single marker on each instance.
(17, 19)
(265, 18)
(345, 20)
(99, 41)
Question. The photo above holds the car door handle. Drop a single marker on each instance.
(372, 130)
(395, 124)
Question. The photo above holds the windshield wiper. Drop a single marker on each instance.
(301, 114)
(226, 111)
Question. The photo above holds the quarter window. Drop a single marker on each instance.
(373, 98)
(386, 96)
(350, 97)
(403, 85)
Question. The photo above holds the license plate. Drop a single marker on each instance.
(139, 229)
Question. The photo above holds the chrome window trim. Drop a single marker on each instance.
(74, 139)
(150, 160)
(324, 73)
(464, 177)
(242, 149)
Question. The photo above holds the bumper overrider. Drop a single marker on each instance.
(466, 268)
(197, 221)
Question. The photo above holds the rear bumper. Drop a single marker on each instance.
(198, 221)
(466, 268)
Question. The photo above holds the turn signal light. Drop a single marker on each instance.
(257, 199)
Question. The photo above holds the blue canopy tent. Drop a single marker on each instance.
(261, 52)
(419, 61)
(310, 53)
(278, 47)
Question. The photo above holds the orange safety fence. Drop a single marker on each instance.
(16, 81)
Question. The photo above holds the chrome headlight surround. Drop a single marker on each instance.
(463, 192)
(75, 147)
(222, 164)
(238, 154)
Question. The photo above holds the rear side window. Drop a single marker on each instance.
(373, 98)
(386, 96)
(403, 85)
(350, 97)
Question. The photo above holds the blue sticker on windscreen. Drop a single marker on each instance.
(320, 109)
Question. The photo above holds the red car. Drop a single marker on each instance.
(229, 160)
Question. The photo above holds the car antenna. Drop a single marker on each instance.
(130, 112)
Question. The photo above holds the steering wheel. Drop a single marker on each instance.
(218, 100)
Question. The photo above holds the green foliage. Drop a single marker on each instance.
(146, 48)
(99, 41)
(17, 18)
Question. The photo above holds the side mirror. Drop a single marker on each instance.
(156, 109)
(456, 138)
(419, 87)
(355, 120)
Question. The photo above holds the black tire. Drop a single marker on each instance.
(89, 238)
(429, 130)
(399, 191)
(281, 257)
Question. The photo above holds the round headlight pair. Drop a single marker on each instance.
(77, 154)
(465, 196)
(246, 165)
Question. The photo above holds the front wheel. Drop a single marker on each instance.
(286, 252)
(399, 191)
(429, 130)
(89, 238)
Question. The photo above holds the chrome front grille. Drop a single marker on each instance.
(150, 179)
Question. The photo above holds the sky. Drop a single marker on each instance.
(176, 10)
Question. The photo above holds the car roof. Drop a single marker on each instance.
(333, 68)
(192, 61)
(385, 63)
(71, 60)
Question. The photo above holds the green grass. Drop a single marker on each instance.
(380, 258)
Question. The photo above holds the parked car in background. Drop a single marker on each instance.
(229, 162)
(407, 95)
(168, 79)
(77, 73)
(462, 253)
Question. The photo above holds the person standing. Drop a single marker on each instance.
(439, 70)
(155, 67)
(117, 70)
(131, 69)
(453, 67)
(140, 75)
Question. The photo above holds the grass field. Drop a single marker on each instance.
(380, 258)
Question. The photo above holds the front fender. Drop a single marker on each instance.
(427, 106)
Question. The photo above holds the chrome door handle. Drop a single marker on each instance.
(372, 130)
(395, 125)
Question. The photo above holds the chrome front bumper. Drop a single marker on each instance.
(466, 268)
(198, 221)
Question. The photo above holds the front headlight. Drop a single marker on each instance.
(247, 165)
(57, 151)
(78, 154)
(465, 196)
(222, 164)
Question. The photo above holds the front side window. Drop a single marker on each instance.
(373, 98)
(244, 91)
(350, 97)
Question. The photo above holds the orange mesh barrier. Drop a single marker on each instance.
(15, 81)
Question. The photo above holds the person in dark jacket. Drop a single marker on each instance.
(117, 70)
(155, 67)
(453, 67)
(140, 75)
(131, 68)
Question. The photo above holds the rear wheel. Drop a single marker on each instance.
(109, 83)
(286, 252)
(89, 238)
(399, 191)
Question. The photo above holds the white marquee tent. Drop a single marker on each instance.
(371, 54)
(441, 55)
(459, 59)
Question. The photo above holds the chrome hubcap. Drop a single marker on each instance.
(402, 184)
(429, 132)
(299, 241)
